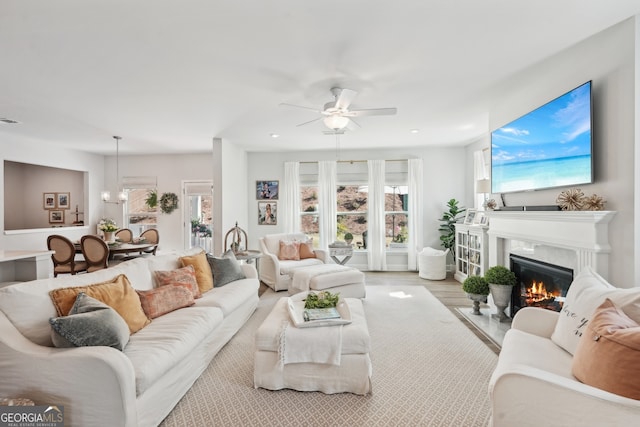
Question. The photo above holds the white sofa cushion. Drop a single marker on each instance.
(287, 266)
(585, 294)
(229, 297)
(157, 348)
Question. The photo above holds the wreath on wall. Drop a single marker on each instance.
(168, 202)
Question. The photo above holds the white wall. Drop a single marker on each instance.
(608, 59)
(42, 153)
(444, 178)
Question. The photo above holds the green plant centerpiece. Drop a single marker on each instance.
(501, 281)
(324, 299)
(450, 217)
(477, 289)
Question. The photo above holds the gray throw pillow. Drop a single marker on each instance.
(90, 322)
(226, 269)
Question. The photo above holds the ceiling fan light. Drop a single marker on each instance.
(336, 122)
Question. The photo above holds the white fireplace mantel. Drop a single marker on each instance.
(583, 233)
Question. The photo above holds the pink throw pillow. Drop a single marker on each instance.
(165, 299)
(289, 251)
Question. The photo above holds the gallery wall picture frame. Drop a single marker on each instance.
(267, 190)
(267, 213)
(49, 200)
(56, 216)
(470, 216)
(63, 201)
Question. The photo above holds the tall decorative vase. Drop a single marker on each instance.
(501, 295)
(108, 236)
(477, 299)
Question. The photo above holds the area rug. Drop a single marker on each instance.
(428, 370)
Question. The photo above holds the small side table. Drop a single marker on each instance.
(336, 251)
(249, 256)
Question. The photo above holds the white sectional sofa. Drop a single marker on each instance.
(100, 386)
(533, 383)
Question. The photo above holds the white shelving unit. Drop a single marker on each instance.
(471, 251)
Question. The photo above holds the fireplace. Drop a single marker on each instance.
(538, 284)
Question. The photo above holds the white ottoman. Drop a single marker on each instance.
(352, 375)
(348, 281)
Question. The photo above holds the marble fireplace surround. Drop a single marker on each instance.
(571, 239)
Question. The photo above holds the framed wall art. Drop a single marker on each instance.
(267, 213)
(470, 216)
(267, 190)
(62, 201)
(56, 216)
(49, 200)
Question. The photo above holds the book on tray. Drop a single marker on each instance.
(320, 314)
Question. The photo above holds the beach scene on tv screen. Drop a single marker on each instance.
(549, 147)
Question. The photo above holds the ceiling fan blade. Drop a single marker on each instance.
(310, 121)
(372, 112)
(345, 98)
(300, 106)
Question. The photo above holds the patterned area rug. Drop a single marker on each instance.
(428, 370)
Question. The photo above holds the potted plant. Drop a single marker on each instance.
(108, 227)
(501, 281)
(152, 199)
(477, 290)
(448, 227)
(348, 237)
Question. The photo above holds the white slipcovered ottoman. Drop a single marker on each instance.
(352, 375)
(432, 264)
(348, 281)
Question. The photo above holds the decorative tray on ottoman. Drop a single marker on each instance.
(325, 317)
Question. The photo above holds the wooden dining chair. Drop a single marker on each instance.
(63, 258)
(95, 251)
(151, 236)
(124, 235)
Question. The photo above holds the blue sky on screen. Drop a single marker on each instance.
(560, 128)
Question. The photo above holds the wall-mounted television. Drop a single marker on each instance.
(552, 146)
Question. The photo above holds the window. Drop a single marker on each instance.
(352, 213)
(140, 211)
(309, 214)
(396, 213)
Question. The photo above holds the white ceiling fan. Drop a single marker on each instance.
(336, 114)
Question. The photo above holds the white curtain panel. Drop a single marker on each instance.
(416, 240)
(479, 172)
(290, 198)
(376, 236)
(327, 188)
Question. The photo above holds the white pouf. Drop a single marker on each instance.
(432, 264)
(352, 375)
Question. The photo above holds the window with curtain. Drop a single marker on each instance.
(352, 198)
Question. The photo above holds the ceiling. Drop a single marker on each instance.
(168, 76)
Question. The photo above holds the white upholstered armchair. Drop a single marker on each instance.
(276, 273)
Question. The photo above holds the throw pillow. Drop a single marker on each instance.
(226, 269)
(306, 249)
(117, 294)
(90, 322)
(204, 277)
(289, 251)
(185, 276)
(608, 352)
(165, 299)
(587, 291)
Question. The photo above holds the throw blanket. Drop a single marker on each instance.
(302, 276)
(310, 345)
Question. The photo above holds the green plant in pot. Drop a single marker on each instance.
(477, 290)
(450, 217)
(501, 282)
(348, 237)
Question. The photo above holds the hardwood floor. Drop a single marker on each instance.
(448, 291)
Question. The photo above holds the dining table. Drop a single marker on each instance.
(123, 248)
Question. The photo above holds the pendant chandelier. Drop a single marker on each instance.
(122, 195)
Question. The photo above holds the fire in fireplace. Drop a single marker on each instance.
(538, 284)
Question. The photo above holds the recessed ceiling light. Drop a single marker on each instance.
(8, 121)
(275, 135)
(414, 130)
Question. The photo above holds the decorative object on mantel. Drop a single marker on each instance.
(236, 234)
(491, 204)
(501, 282)
(571, 199)
(168, 202)
(574, 199)
(594, 203)
(477, 290)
